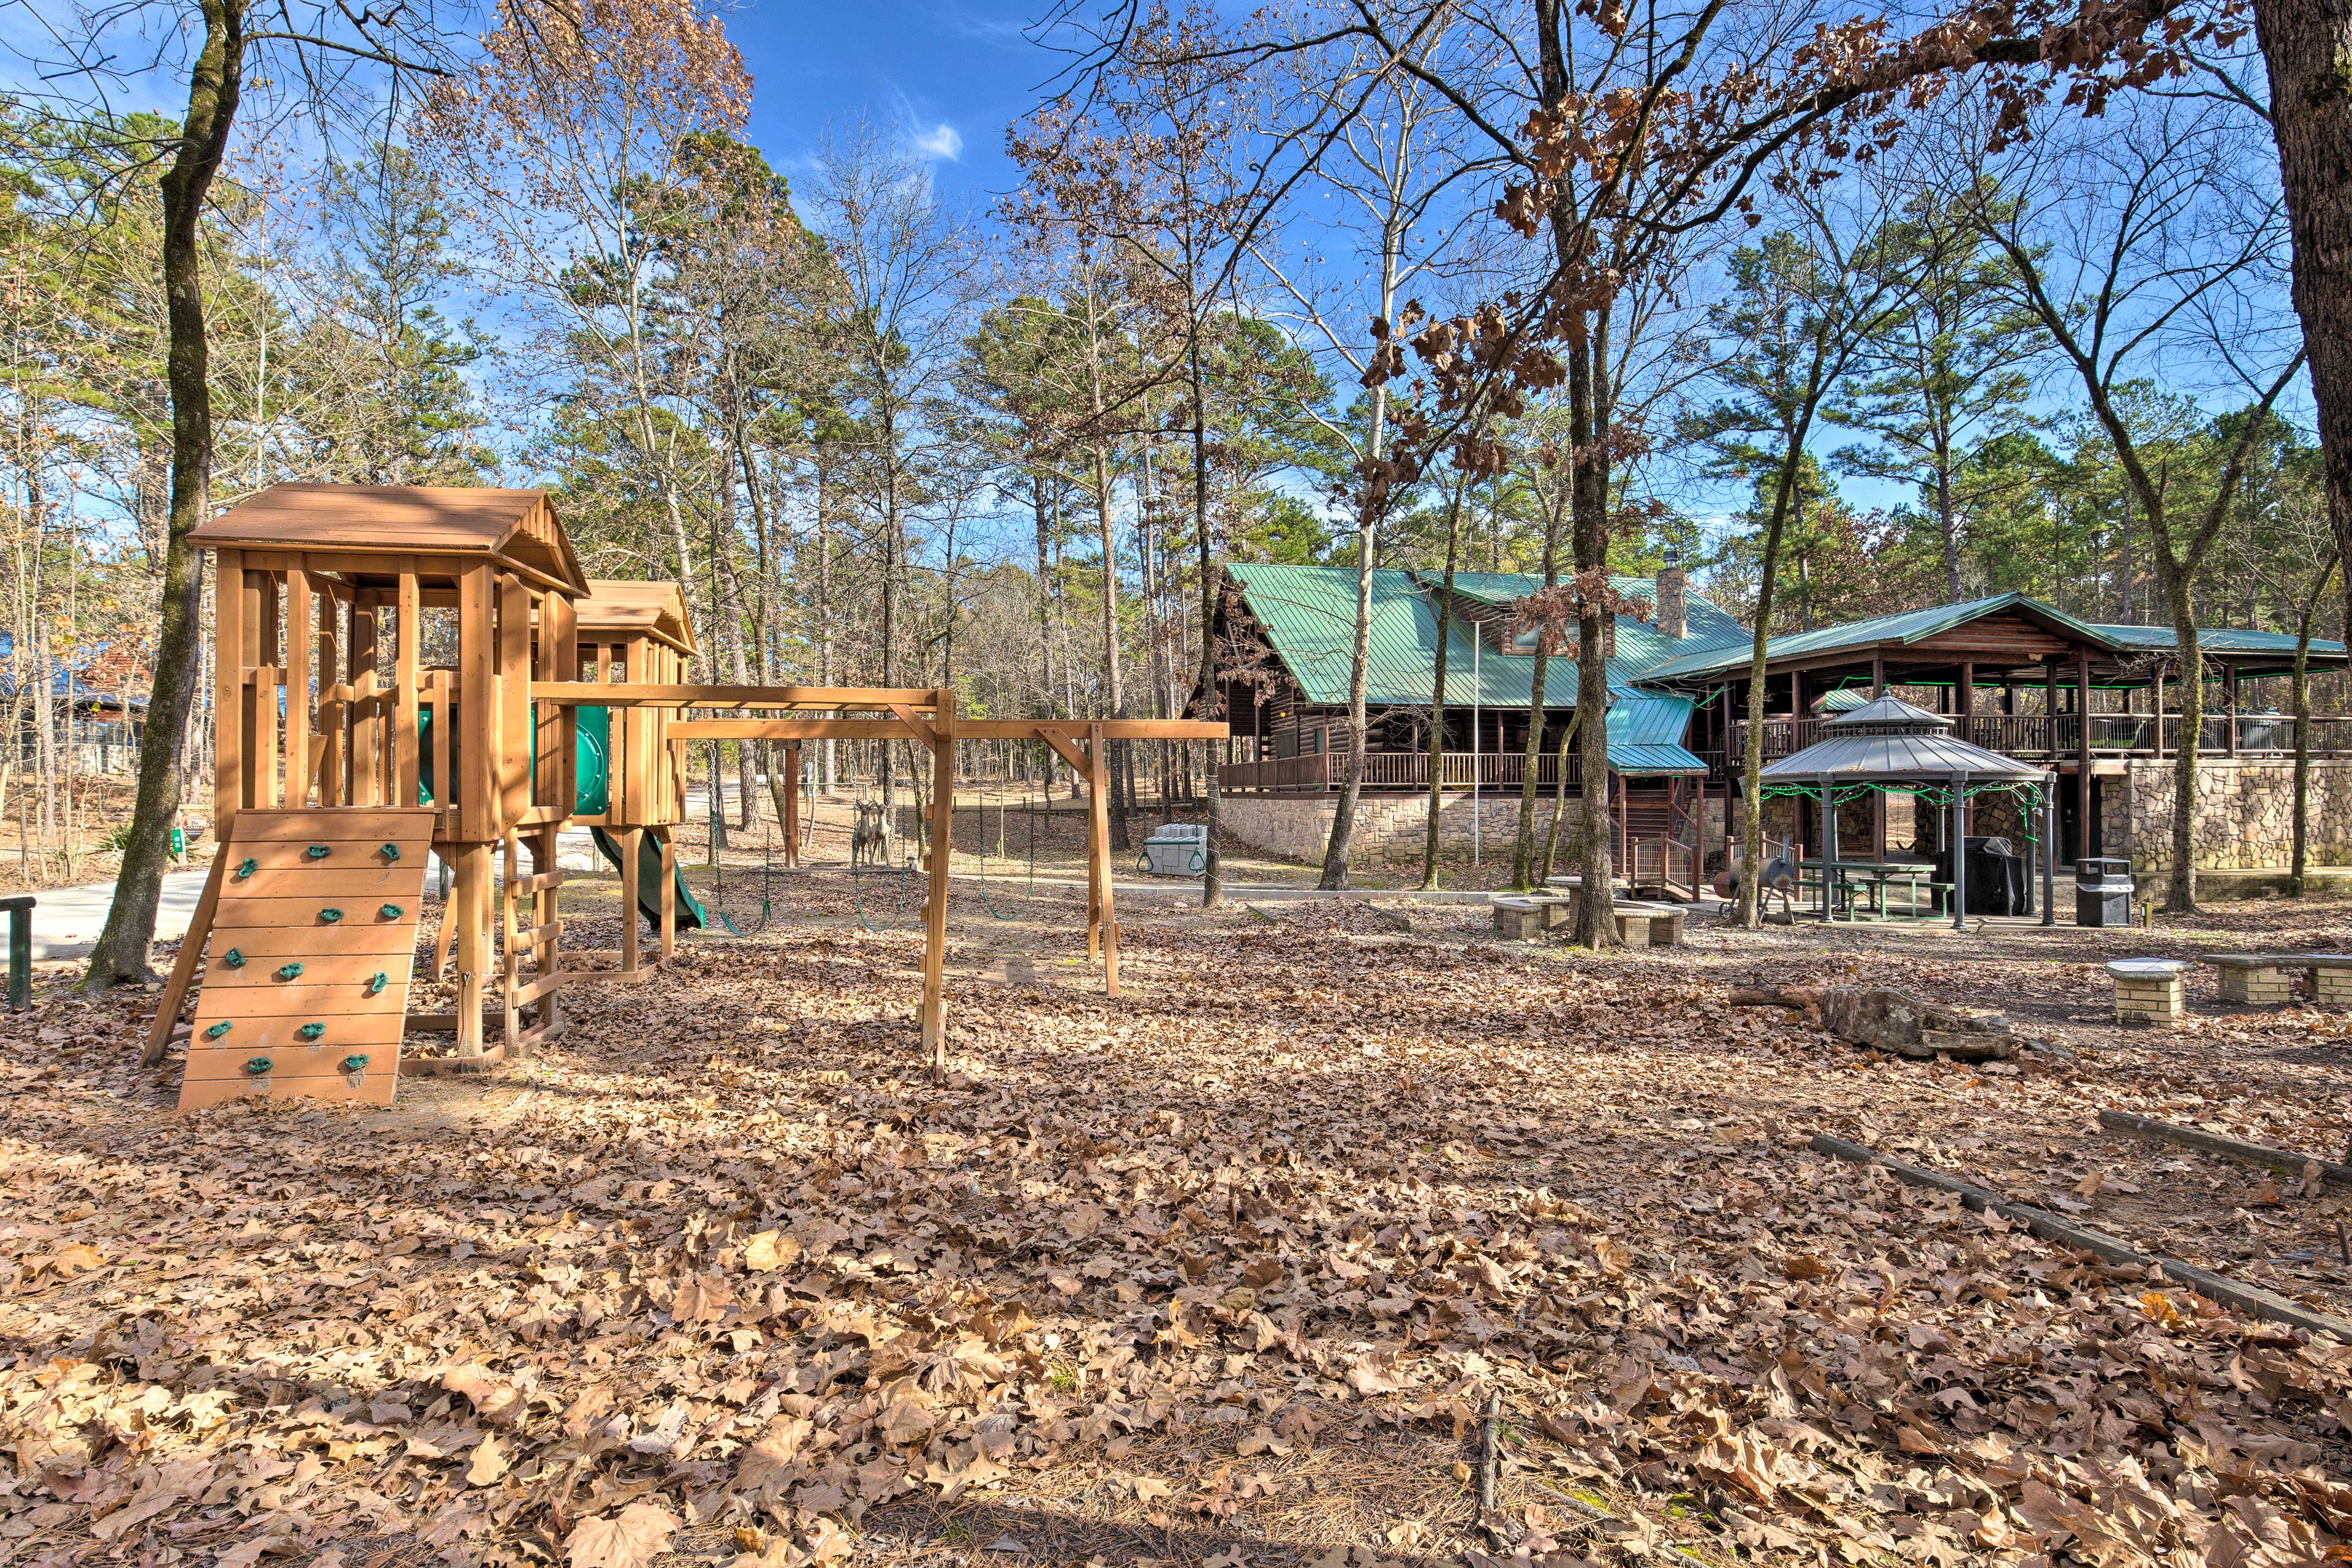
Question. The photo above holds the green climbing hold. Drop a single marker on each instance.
(289, 971)
(316, 852)
(353, 1062)
(389, 912)
(234, 959)
(377, 981)
(256, 1066)
(246, 868)
(330, 916)
(218, 1030)
(311, 1031)
(389, 851)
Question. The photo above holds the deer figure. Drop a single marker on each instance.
(869, 840)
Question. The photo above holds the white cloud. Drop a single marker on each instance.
(942, 141)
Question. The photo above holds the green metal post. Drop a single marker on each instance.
(20, 950)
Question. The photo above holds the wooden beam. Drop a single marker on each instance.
(513, 731)
(682, 730)
(646, 694)
(1098, 815)
(914, 722)
(1112, 729)
(942, 740)
(407, 687)
(1068, 751)
(477, 706)
(191, 948)
(298, 688)
(229, 664)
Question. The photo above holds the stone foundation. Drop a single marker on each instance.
(2245, 812)
(1388, 826)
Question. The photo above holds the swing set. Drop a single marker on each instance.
(403, 673)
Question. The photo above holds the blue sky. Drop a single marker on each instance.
(947, 77)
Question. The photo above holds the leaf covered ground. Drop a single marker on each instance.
(1220, 1273)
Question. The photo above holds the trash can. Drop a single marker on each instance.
(2102, 891)
(1176, 850)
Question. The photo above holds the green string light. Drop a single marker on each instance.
(234, 959)
(377, 981)
(330, 916)
(311, 1031)
(1938, 795)
(256, 1066)
(389, 912)
(354, 1062)
(389, 851)
(218, 1030)
(246, 868)
(317, 852)
(290, 972)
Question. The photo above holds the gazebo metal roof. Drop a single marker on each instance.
(1889, 740)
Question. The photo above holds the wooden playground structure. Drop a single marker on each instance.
(403, 673)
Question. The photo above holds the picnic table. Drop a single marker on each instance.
(1855, 876)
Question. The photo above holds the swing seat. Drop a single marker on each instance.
(1176, 850)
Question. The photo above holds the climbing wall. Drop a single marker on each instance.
(306, 974)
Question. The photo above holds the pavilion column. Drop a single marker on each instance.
(1877, 675)
(2230, 706)
(2083, 804)
(1965, 700)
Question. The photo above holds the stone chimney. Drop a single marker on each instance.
(1672, 609)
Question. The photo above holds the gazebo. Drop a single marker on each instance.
(1890, 742)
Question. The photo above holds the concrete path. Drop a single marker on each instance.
(67, 921)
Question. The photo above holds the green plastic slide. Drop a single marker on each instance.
(592, 758)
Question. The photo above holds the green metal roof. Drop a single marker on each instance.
(1639, 645)
(1905, 626)
(1645, 734)
(1310, 615)
(2219, 640)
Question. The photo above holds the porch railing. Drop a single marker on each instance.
(1399, 770)
(2037, 736)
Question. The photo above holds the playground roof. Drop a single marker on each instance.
(519, 528)
(655, 609)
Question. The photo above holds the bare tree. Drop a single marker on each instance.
(329, 59)
(2145, 238)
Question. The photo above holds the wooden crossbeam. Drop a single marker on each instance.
(1110, 729)
(684, 730)
(644, 694)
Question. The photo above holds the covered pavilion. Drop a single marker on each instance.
(1890, 743)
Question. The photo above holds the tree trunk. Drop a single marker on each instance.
(1114, 687)
(1568, 734)
(1589, 406)
(2299, 868)
(214, 85)
(1213, 870)
(1437, 700)
(824, 674)
(1045, 620)
(1523, 848)
(2305, 46)
(2181, 887)
(1751, 775)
